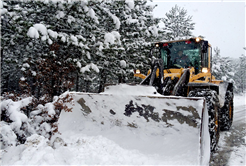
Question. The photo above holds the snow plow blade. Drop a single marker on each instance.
(169, 128)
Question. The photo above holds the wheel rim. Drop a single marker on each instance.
(216, 124)
(230, 111)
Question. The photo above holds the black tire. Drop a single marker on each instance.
(226, 116)
(213, 109)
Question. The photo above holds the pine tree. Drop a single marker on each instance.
(138, 29)
(33, 42)
(222, 67)
(240, 75)
(178, 24)
(99, 41)
(133, 27)
(12, 31)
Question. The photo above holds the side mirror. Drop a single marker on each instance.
(204, 46)
(168, 60)
(168, 51)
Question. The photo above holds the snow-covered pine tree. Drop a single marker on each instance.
(138, 29)
(49, 68)
(240, 74)
(11, 29)
(78, 38)
(222, 67)
(125, 28)
(103, 40)
(178, 24)
(42, 27)
(106, 47)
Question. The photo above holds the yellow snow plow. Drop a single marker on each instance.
(177, 110)
(184, 68)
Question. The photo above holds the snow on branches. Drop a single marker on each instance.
(178, 24)
(24, 116)
(45, 117)
(14, 122)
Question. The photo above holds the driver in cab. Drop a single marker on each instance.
(181, 60)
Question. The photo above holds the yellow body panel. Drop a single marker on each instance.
(206, 77)
(196, 78)
(140, 75)
(173, 73)
(169, 73)
(217, 82)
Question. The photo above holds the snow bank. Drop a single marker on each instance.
(77, 150)
(34, 150)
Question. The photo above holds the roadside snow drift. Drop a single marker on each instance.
(137, 119)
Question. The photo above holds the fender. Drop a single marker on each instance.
(223, 88)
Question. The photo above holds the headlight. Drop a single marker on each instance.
(157, 45)
(197, 39)
(137, 71)
(204, 70)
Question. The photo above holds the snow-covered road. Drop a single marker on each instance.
(232, 147)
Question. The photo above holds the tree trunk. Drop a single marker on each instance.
(102, 81)
(34, 85)
(77, 82)
(39, 89)
(1, 62)
(53, 90)
(5, 87)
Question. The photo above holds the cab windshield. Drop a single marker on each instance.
(181, 54)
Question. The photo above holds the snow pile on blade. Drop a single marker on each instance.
(171, 129)
(137, 90)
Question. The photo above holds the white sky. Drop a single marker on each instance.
(222, 23)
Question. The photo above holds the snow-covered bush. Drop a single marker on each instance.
(15, 127)
(23, 116)
(44, 118)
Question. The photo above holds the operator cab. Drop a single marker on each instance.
(189, 53)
